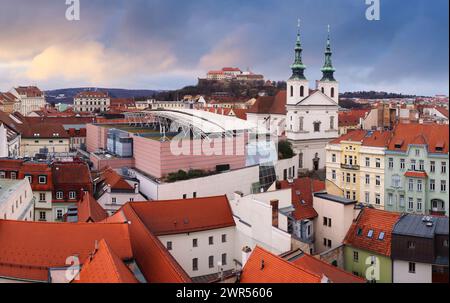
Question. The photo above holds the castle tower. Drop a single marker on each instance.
(328, 85)
(297, 85)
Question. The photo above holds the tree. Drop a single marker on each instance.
(285, 150)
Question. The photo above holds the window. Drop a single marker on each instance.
(72, 195)
(131, 199)
(30, 179)
(377, 180)
(42, 216)
(370, 233)
(411, 244)
(421, 165)
(443, 186)
(354, 178)
(332, 122)
(169, 245)
(359, 231)
(367, 179)
(432, 166)
(402, 164)
(194, 242)
(377, 199)
(316, 127)
(42, 197)
(355, 256)
(333, 158)
(378, 162)
(325, 221)
(354, 196)
(224, 259)
(224, 238)
(324, 241)
(390, 198)
(410, 184)
(367, 197)
(329, 243)
(410, 203)
(13, 175)
(195, 264)
(412, 267)
(292, 91)
(113, 200)
(302, 91)
(367, 162)
(348, 194)
(59, 214)
(381, 236)
(42, 180)
(391, 163)
(396, 181)
(443, 167)
(418, 152)
(413, 164)
(211, 240)
(59, 195)
(333, 174)
(194, 194)
(419, 185)
(348, 178)
(184, 196)
(402, 200)
(300, 127)
(211, 261)
(332, 92)
(419, 204)
(432, 185)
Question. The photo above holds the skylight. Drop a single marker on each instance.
(359, 231)
(370, 233)
(381, 236)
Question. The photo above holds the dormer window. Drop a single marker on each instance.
(42, 180)
(398, 143)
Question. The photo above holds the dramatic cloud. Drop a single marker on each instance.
(166, 44)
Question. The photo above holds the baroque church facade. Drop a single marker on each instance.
(311, 114)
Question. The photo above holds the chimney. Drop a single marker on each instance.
(274, 204)
(246, 252)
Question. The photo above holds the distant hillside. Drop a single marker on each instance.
(374, 95)
(65, 95)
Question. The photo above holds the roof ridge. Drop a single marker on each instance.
(331, 266)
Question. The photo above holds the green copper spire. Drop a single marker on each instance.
(328, 69)
(298, 67)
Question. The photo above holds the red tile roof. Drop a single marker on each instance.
(265, 267)
(443, 111)
(378, 221)
(416, 174)
(35, 170)
(155, 262)
(352, 117)
(112, 178)
(71, 173)
(29, 249)
(185, 215)
(432, 135)
(302, 196)
(366, 137)
(45, 130)
(320, 268)
(104, 266)
(89, 210)
(10, 165)
(29, 91)
(270, 104)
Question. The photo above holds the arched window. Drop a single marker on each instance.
(302, 91)
(292, 91)
(323, 90)
(332, 92)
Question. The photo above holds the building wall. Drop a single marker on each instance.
(91, 104)
(236, 180)
(44, 206)
(184, 252)
(32, 146)
(341, 219)
(99, 162)
(360, 268)
(19, 203)
(423, 273)
(96, 136)
(403, 190)
(106, 200)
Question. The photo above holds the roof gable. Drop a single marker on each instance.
(317, 98)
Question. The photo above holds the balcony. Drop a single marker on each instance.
(350, 166)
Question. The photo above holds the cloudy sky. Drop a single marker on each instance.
(167, 44)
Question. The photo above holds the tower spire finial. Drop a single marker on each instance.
(298, 67)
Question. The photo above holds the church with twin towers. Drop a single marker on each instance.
(311, 114)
